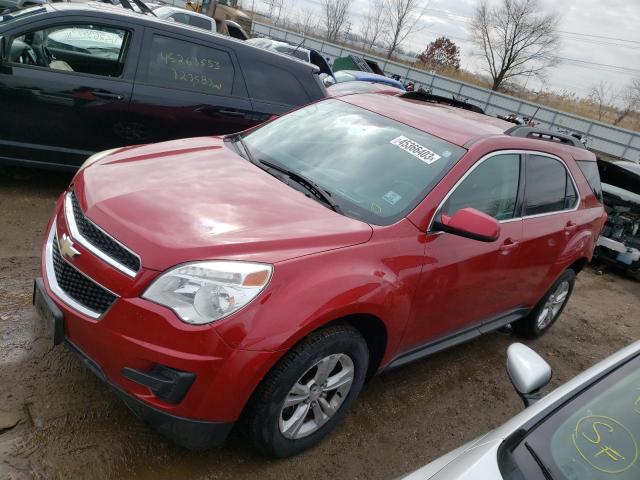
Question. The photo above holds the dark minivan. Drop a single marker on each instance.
(80, 78)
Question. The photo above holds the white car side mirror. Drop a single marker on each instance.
(528, 372)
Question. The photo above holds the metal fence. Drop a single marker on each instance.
(617, 142)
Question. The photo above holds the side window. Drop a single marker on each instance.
(82, 48)
(548, 186)
(200, 22)
(492, 188)
(179, 64)
(274, 84)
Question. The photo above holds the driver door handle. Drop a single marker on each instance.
(508, 246)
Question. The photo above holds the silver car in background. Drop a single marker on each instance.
(586, 429)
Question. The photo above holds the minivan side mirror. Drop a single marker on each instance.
(528, 372)
(469, 223)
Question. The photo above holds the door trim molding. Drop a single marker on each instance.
(456, 338)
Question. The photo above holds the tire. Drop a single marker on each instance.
(536, 323)
(272, 427)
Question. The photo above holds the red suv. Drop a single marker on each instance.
(264, 276)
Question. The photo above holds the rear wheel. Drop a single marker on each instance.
(308, 392)
(540, 319)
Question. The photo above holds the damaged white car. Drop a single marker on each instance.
(620, 238)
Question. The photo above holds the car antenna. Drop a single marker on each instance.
(298, 46)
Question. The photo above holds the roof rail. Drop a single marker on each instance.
(543, 134)
(430, 97)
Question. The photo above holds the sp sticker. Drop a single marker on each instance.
(605, 444)
(414, 148)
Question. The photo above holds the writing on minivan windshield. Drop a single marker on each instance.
(376, 169)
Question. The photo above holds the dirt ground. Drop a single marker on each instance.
(58, 421)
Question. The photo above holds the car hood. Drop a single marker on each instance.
(619, 196)
(196, 199)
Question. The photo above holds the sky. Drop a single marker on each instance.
(600, 39)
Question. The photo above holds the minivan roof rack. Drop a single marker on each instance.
(430, 97)
(543, 134)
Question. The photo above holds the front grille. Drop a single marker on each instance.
(77, 286)
(101, 240)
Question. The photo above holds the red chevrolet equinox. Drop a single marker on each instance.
(261, 278)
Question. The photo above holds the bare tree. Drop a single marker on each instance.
(515, 39)
(403, 17)
(630, 100)
(374, 23)
(336, 14)
(306, 20)
(603, 96)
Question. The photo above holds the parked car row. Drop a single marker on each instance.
(271, 272)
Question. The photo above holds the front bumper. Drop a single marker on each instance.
(187, 432)
(136, 335)
(627, 257)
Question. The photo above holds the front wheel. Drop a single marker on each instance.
(308, 392)
(540, 319)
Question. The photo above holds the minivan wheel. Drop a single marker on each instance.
(308, 392)
(547, 311)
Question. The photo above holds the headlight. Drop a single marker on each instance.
(204, 292)
(95, 157)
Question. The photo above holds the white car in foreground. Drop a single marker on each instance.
(587, 429)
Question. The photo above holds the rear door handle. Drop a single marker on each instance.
(508, 246)
(570, 227)
(222, 111)
(107, 95)
(231, 113)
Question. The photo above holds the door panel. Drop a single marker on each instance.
(75, 113)
(465, 282)
(550, 222)
(185, 89)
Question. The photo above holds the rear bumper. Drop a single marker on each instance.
(189, 433)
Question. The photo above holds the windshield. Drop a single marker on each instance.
(28, 12)
(374, 168)
(597, 435)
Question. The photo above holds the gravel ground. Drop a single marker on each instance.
(58, 421)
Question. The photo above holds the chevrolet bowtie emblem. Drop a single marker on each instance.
(66, 247)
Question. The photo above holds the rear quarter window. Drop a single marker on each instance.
(274, 84)
(590, 171)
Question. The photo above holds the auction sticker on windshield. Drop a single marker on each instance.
(415, 149)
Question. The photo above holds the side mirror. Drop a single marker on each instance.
(470, 223)
(528, 372)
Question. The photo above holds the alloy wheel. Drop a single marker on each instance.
(553, 305)
(316, 396)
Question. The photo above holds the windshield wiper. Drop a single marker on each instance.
(309, 185)
(543, 467)
(319, 192)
